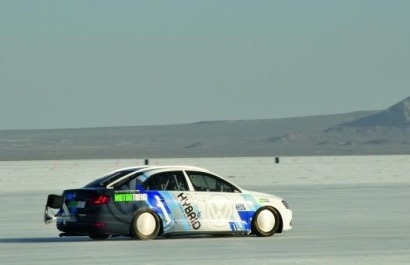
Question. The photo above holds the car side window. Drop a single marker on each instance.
(207, 182)
(129, 185)
(170, 181)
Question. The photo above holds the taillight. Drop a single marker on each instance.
(99, 200)
(99, 225)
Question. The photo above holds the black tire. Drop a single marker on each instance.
(266, 222)
(98, 236)
(145, 225)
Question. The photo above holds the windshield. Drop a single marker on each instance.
(104, 181)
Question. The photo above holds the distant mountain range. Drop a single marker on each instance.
(397, 115)
(358, 133)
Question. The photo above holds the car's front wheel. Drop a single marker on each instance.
(145, 225)
(266, 221)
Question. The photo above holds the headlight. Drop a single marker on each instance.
(286, 204)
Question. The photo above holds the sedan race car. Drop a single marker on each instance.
(149, 201)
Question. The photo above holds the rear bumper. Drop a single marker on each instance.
(92, 225)
(82, 228)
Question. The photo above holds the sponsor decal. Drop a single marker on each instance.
(240, 207)
(129, 197)
(191, 215)
(71, 204)
(263, 200)
(76, 204)
(219, 210)
(167, 218)
(161, 203)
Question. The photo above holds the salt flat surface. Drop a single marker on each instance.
(347, 210)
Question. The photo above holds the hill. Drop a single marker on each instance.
(397, 115)
(357, 133)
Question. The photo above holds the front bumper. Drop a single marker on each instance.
(287, 216)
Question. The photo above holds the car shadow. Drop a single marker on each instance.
(25, 240)
(42, 240)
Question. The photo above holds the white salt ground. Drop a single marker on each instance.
(347, 210)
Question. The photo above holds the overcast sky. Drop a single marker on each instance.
(66, 64)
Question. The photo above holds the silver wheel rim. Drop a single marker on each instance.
(266, 220)
(146, 224)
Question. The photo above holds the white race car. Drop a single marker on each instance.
(147, 201)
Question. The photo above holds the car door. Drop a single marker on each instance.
(222, 207)
(168, 195)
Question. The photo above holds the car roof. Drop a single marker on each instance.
(154, 169)
(165, 168)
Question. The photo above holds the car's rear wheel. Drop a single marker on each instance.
(266, 221)
(98, 236)
(145, 225)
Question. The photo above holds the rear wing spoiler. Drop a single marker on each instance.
(53, 202)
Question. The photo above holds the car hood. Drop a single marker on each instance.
(262, 195)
